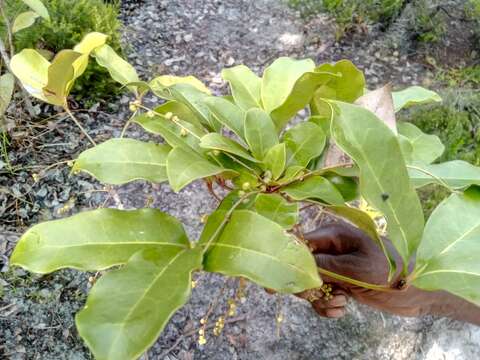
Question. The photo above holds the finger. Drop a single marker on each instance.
(334, 313)
(337, 238)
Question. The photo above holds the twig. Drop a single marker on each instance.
(384, 288)
(193, 332)
(78, 123)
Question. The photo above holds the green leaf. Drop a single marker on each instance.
(414, 95)
(277, 209)
(61, 75)
(7, 84)
(447, 258)
(425, 148)
(348, 88)
(170, 131)
(185, 166)
(260, 132)
(118, 161)
(384, 180)
(31, 69)
(227, 114)
(456, 174)
(159, 84)
(315, 188)
(300, 95)
(216, 141)
(24, 20)
(245, 86)
(275, 160)
(182, 112)
(194, 99)
(120, 70)
(279, 79)
(290, 173)
(347, 186)
(128, 308)
(255, 247)
(38, 7)
(304, 142)
(96, 240)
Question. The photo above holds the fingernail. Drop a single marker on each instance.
(335, 313)
(338, 300)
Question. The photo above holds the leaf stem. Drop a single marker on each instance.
(127, 124)
(362, 284)
(78, 123)
(440, 180)
(172, 119)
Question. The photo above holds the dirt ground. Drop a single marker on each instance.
(200, 37)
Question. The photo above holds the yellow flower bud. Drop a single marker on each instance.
(168, 115)
(246, 185)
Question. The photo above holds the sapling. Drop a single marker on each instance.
(251, 143)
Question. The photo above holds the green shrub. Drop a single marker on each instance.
(347, 13)
(70, 21)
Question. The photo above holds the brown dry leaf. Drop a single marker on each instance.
(335, 156)
(380, 102)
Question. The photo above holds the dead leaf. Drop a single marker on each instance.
(380, 102)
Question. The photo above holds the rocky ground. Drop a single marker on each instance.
(199, 37)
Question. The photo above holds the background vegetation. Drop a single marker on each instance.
(70, 21)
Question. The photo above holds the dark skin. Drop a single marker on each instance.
(346, 250)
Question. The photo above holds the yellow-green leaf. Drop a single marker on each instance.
(118, 161)
(227, 114)
(275, 160)
(314, 188)
(277, 209)
(260, 132)
(31, 69)
(348, 88)
(172, 131)
(257, 248)
(447, 258)
(279, 78)
(245, 86)
(96, 240)
(61, 75)
(414, 95)
(128, 308)
(185, 166)
(456, 174)
(424, 148)
(164, 81)
(38, 7)
(24, 20)
(7, 83)
(375, 148)
(216, 141)
(304, 142)
(120, 70)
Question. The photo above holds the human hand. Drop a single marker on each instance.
(346, 250)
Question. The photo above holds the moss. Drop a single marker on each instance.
(70, 21)
(457, 124)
